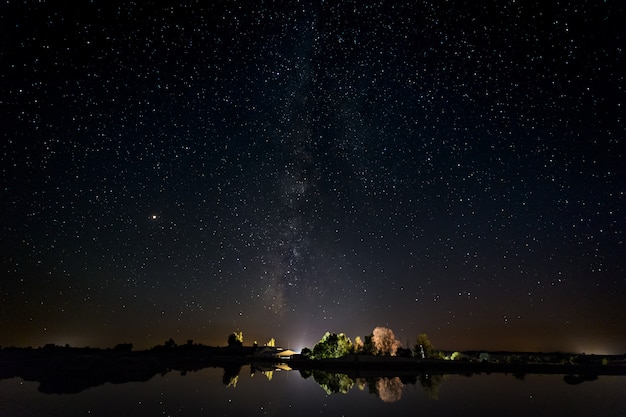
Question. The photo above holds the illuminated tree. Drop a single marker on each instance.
(332, 345)
(384, 341)
(271, 343)
(456, 356)
(358, 345)
(344, 345)
(235, 339)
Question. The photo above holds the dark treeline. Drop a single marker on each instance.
(64, 369)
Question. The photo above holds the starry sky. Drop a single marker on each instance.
(285, 169)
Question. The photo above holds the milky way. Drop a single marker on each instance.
(446, 168)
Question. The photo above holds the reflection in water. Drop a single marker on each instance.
(74, 372)
(268, 370)
(231, 375)
(169, 383)
(431, 384)
(230, 391)
(388, 389)
(578, 379)
(332, 383)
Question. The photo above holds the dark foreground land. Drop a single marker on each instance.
(390, 366)
(71, 370)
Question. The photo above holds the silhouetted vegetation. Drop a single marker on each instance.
(235, 339)
(231, 374)
(378, 362)
(123, 347)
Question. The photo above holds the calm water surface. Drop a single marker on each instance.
(209, 392)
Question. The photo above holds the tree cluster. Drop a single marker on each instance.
(381, 342)
(332, 345)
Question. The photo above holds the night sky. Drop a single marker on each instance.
(454, 168)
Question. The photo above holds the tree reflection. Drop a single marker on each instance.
(389, 389)
(431, 384)
(333, 383)
(266, 371)
(231, 375)
(578, 379)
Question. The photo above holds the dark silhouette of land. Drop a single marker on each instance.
(71, 370)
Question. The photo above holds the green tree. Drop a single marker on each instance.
(358, 345)
(423, 348)
(235, 339)
(344, 345)
(332, 345)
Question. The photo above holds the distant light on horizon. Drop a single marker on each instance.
(597, 348)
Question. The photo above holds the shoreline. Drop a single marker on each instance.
(408, 367)
(72, 370)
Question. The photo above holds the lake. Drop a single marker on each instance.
(263, 392)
